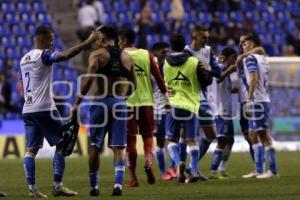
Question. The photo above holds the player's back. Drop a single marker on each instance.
(114, 75)
(143, 95)
(258, 63)
(36, 79)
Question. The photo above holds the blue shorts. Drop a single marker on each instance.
(178, 118)
(206, 117)
(160, 127)
(40, 125)
(244, 122)
(108, 115)
(260, 119)
(224, 126)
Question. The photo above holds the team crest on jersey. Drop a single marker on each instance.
(181, 80)
(139, 71)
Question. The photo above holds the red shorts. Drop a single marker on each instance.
(141, 120)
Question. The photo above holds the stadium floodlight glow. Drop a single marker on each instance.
(90, 97)
(60, 84)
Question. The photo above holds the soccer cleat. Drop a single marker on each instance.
(192, 178)
(172, 172)
(225, 175)
(3, 194)
(37, 194)
(202, 177)
(266, 175)
(94, 192)
(166, 177)
(132, 183)
(251, 175)
(189, 176)
(149, 173)
(180, 172)
(117, 192)
(63, 191)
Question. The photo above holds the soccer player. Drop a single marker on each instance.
(40, 114)
(185, 75)
(160, 51)
(258, 107)
(141, 102)
(242, 94)
(108, 112)
(225, 131)
(203, 52)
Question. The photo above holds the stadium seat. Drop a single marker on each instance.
(279, 39)
(262, 5)
(236, 16)
(23, 7)
(39, 7)
(7, 7)
(278, 5)
(267, 16)
(205, 17)
(165, 6)
(134, 6)
(119, 6)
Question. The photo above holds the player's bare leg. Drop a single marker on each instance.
(94, 163)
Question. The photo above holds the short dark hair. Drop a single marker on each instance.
(129, 34)
(177, 42)
(43, 30)
(160, 45)
(253, 37)
(228, 51)
(200, 28)
(108, 31)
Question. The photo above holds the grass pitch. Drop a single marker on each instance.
(287, 187)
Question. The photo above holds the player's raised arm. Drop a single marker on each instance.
(257, 50)
(227, 72)
(73, 51)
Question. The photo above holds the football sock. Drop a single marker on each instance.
(94, 177)
(216, 159)
(194, 149)
(58, 169)
(174, 152)
(160, 157)
(29, 167)
(271, 158)
(119, 173)
(258, 157)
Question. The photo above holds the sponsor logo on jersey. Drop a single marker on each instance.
(139, 71)
(181, 80)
